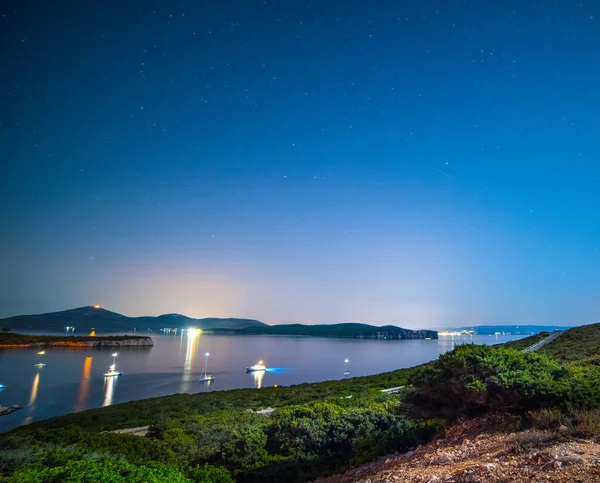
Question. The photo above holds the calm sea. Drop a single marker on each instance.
(72, 379)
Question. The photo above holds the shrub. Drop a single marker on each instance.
(209, 474)
(93, 471)
(550, 419)
(474, 379)
(532, 440)
(587, 424)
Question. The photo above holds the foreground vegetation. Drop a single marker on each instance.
(296, 443)
(317, 429)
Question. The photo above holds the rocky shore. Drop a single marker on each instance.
(7, 410)
(79, 342)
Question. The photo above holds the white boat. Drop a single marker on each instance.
(260, 366)
(206, 377)
(112, 370)
(40, 365)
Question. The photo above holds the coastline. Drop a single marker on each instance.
(19, 341)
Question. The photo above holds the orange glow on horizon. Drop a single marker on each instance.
(96, 306)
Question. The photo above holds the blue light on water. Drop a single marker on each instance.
(276, 369)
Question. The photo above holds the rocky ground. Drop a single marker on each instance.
(468, 455)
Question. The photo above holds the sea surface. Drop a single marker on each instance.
(73, 380)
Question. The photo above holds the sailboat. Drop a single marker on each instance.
(112, 371)
(206, 377)
(346, 371)
(40, 364)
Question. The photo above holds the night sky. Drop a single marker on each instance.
(417, 163)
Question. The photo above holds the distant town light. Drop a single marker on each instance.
(96, 306)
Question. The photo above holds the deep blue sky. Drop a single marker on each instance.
(424, 163)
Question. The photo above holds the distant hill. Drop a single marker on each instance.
(86, 318)
(349, 330)
(510, 329)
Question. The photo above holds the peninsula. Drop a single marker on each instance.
(42, 341)
(346, 330)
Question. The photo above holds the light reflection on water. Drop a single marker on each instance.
(258, 378)
(72, 382)
(109, 390)
(34, 389)
(186, 375)
(84, 386)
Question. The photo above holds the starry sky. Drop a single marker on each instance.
(417, 163)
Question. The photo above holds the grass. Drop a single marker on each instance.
(580, 345)
(526, 342)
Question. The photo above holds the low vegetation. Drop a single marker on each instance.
(474, 379)
(578, 345)
(296, 443)
(526, 342)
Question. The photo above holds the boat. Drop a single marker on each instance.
(40, 364)
(112, 370)
(346, 370)
(2, 386)
(206, 377)
(260, 366)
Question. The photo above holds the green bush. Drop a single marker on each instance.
(473, 379)
(209, 474)
(92, 471)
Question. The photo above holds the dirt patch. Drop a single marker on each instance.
(486, 457)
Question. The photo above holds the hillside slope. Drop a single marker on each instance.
(580, 344)
(470, 454)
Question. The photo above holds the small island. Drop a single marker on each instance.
(43, 341)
